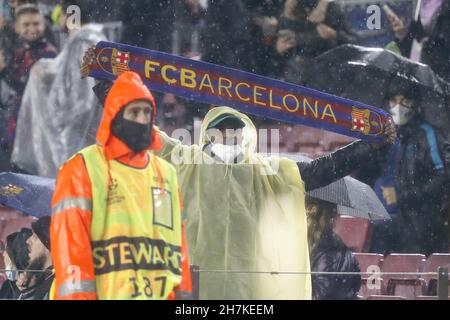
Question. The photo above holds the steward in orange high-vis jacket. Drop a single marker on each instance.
(116, 230)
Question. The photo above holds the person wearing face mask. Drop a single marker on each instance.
(16, 258)
(420, 193)
(413, 184)
(116, 223)
(244, 209)
(223, 152)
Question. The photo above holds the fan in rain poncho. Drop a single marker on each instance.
(246, 216)
(58, 115)
(244, 212)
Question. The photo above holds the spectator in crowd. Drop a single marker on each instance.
(40, 260)
(9, 101)
(307, 28)
(29, 26)
(329, 254)
(53, 126)
(148, 24)
(30, 46)
(8, 35)
(175, 113)
(225, 37)
(189, 20)
(262, 28)
(16, 260)
(419, 191)
(431, 30)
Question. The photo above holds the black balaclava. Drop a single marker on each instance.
(135, 135)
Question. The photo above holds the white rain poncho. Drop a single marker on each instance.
(239, 218)
(59, 113)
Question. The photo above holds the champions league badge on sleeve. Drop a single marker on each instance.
(366, 122)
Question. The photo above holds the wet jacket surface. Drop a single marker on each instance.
(325, 170)
(332, 255)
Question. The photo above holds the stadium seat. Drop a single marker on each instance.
(355, 232)
(366, 260)
(306, 140)
(333, 141)
(385, 297)
(6, 213)
(287, 139)
(433, 262)
(405, 285)
(313, 150)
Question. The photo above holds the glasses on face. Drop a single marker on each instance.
(404, 102)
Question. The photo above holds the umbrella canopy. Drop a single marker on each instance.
(353, 197)
(29, 194)
(366, 74)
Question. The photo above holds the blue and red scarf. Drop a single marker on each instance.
(250, 93)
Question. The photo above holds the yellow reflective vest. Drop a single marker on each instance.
(136, 227)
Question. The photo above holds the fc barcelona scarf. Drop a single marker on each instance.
(250, 93)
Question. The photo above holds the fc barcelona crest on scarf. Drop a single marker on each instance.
(113, 61)
(366, 122)
(249, 93)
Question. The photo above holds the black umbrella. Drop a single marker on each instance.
(353, 197)
(367, 74)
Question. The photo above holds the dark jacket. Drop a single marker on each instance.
(9, 291)
(147, 24)
(422, 191)
(226, 37)
(309, 43)
(41, 290)
(325, 170)
(24, 56)
(290, 65)
(332, 255)
(422, 188)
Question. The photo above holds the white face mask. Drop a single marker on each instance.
(401, 115)
(11, 273)
(227, 153)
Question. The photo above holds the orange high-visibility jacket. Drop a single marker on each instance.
(71, 227)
